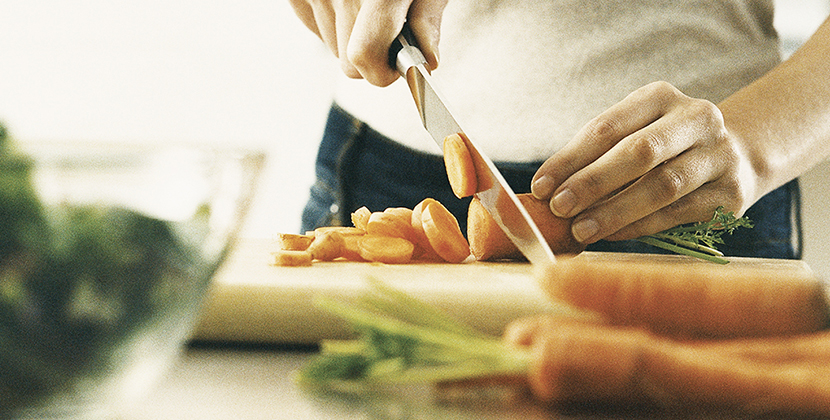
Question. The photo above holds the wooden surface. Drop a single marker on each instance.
(254, 301)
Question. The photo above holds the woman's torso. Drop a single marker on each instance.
(523, 76)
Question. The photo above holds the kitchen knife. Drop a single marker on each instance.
(495, 194)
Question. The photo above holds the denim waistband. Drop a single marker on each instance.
(357, 166)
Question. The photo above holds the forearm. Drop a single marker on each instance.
(783, 118)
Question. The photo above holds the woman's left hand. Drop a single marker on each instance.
(653, 161)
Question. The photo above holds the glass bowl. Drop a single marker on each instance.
(106, 254)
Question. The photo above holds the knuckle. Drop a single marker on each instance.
(647, 149)
(601, 129)
(670, 184)
(707, 112)
(662, 91)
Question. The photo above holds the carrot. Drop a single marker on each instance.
(294, 242)
(444, 235)
(389, 224)
(577, 362)
(327, 246)
(461, 171)
(690, 300)
(291, 258)
(360, 217)
(386, 249)
(488, 242)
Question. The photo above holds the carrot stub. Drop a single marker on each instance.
(444, 235)
(461, 170)
(488, 242)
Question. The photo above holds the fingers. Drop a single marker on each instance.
(360, 32)
(367, 49)
(595, 139)
(698, 300)
(642, 155)
(578, 362)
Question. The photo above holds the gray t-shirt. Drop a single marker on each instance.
(523, 76)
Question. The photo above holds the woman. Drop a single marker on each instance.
(544, 88)
(629, 116)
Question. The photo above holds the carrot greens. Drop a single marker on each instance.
(404, 340)
(699, 239)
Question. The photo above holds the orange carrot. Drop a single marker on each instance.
(386, 249)
(488, 242)
(444, 234)
(291, 258)
(461, 171)
(696, 299)
(578, 362)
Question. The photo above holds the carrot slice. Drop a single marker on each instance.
(351, 248)
(402, 212)
(291, 258)
(294, 242)
(327, 246)
(423, 250)
(488, 242)
(343, 230)
(386, 249)
(444, 234)
(360, 217)
(389, 224)
(461, 171)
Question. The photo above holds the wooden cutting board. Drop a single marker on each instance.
(254, 301)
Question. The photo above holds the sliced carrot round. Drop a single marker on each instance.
(386, 249)
(423, 250)
(461, 170)
(444, 234)
(291, 258)
(389, 224)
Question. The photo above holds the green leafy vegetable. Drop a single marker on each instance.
(699, 239)
(403, 340)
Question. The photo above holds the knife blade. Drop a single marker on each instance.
(495, 194)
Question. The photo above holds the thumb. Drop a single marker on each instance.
(690, 299)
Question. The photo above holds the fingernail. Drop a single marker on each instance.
(563, 203)
(585, 229)
(542, 188)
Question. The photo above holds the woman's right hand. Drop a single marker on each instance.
(360, 32)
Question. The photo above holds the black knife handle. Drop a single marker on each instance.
(404, 52)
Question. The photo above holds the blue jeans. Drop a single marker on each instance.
(357, 166)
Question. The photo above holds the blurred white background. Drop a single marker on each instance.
(242, 72)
